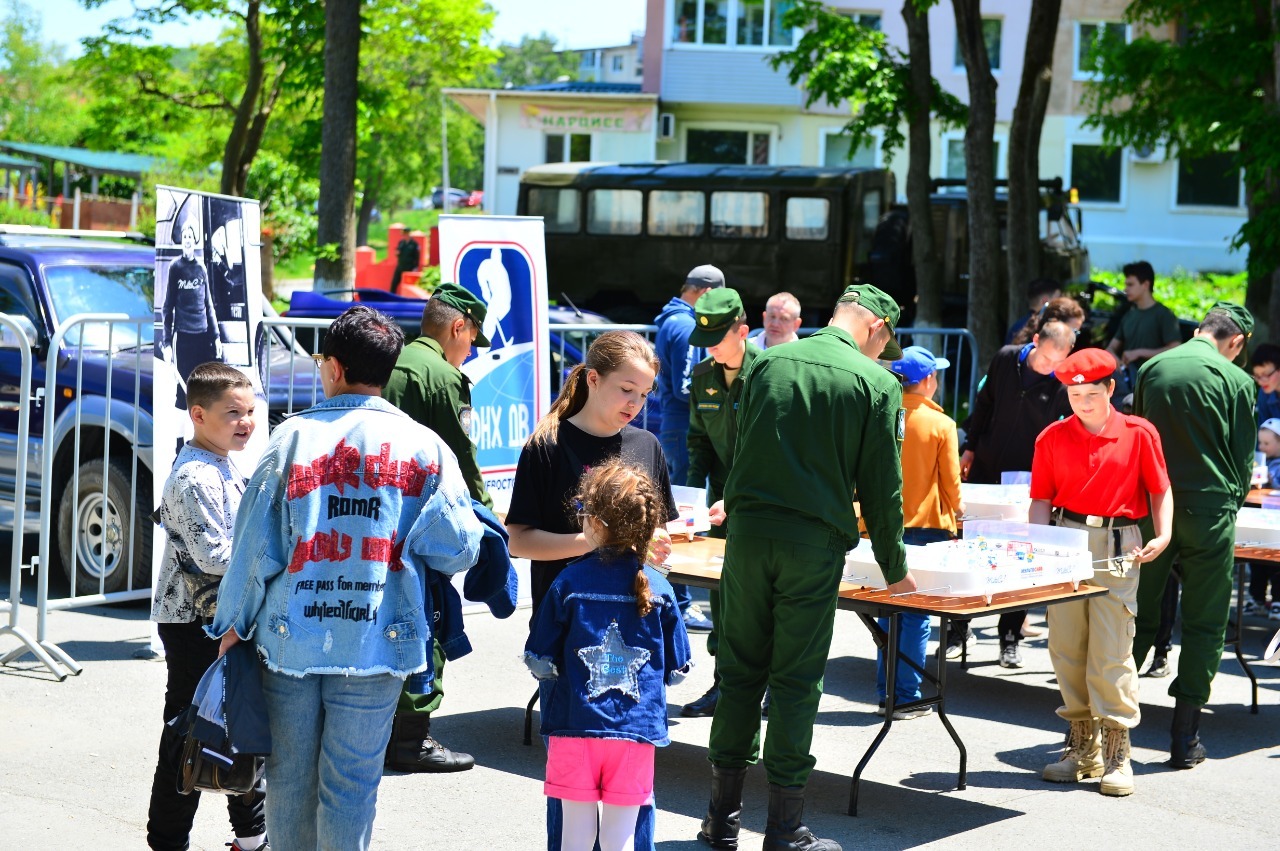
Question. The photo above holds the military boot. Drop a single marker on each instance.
(413, 749)
(1117, 773)
(1185, 751)
(724, 812)
(785, 830)
(1081, 757)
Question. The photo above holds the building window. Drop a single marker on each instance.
(572, 148)
(1210, 181)
(870, 20)
(1090, 39)
(740, 215)
(755, 23)
(673, 213)
(807, 218)
(835, 152)
(617, 62)
(735, 147)
(954, 165)
(1096, 173)
(991, 30)
(614, 212)
(559, 208)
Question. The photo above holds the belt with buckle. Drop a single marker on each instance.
(1095, 521)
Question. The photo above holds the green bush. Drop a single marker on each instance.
(12, 214)
(1187, 294)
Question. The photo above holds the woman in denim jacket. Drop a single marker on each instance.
(351, 504)
(607, 641)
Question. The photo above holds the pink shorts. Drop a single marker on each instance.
(615, 771)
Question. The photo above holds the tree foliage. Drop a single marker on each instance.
(1210, 88)
(840, 61)
(37, 101)
(534, 60)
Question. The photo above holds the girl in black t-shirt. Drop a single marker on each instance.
(589, 423)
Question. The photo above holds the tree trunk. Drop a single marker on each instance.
(233, 151)
(979, 162)
(1023, 232)
(1263, 293)
(335, 227)
(924, 253)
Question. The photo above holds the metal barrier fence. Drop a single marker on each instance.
(569, 343)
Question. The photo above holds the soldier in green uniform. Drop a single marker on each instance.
(1202, 405)
(719, 327)
(817, 419)
(428, 385)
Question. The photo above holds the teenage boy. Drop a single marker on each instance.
(720, 328)
(1100, 471)
(1264, 363)
(931, 497)
(1147, 328)
(198, 512)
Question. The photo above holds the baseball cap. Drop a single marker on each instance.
(714, 314)
(468, 304)
(705, 276)
(1086, 366)
(878, 302)
(916, 364)
(1272, 425)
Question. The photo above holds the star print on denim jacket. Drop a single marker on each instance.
(603, 670)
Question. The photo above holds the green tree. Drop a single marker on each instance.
(1201, 77)
(840, 61)
(534, 60)
(37, 100)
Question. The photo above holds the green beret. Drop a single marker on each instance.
(879, 303)
(468, 304)
(714, 314)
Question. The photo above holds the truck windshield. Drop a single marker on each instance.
(127, 289)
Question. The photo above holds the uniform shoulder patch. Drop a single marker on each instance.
(704, 366)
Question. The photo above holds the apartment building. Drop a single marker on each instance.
(706, 92)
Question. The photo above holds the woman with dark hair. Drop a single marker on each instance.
(1062, 309)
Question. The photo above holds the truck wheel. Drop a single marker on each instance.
(101, 547)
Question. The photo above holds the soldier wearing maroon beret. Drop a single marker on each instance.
(1101, 471)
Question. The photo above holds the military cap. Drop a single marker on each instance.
(704, 276)
(1244, 321)
(714, 314)
(1086, 366)
(468, 304)
(879, 303)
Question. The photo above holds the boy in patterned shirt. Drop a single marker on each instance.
(198, 512)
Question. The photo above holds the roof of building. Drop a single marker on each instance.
(581, 88)
(106, 162)
(9, 163)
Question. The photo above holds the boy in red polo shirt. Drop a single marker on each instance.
(1099, 470)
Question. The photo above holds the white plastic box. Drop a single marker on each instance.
(694, 517)
(1258, 527)
(995, 502)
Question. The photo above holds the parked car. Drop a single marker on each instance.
(46, 279)
(458, 198)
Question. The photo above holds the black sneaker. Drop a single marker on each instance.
(1159, 667)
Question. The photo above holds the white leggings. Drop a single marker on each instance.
(617, 826)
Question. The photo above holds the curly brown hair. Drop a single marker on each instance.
(627, 500)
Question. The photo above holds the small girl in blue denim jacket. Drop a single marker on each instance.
(607, 641)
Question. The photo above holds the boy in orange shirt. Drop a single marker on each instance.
(930, 502)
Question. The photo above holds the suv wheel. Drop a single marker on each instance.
(102, 540)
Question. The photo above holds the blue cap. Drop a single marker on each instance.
(916, 364)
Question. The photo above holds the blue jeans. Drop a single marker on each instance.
(328, 736)
(913, 634)
(675, 448)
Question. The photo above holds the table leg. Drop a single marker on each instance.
(962, 782)
(1239, 638)
(890, 650)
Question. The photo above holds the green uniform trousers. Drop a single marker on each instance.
(713, 600)
(1204, 545)
(777, 612)
(425, 704)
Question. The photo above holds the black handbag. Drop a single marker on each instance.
(204, 768)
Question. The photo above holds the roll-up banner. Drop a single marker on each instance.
(502, 260)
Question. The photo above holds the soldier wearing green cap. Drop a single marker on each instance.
(1202, 405)
(428, 385)
(818, 418)
(715, 387)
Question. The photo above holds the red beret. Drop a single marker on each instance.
(1086, 366)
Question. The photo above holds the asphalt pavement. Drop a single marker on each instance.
(78, 755)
